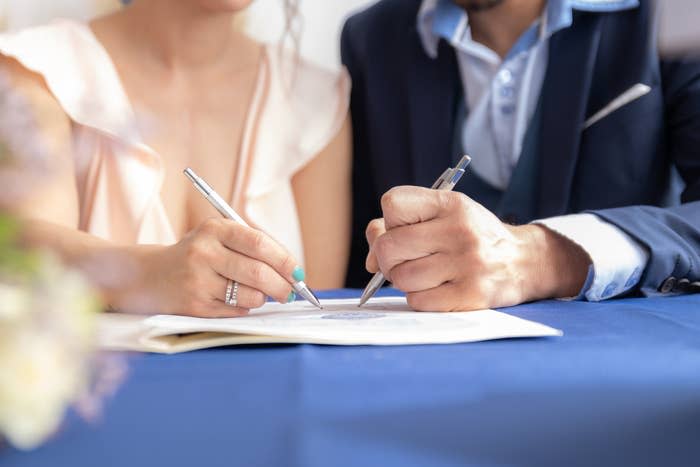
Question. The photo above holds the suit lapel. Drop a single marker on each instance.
(432, 89)
(572, 55)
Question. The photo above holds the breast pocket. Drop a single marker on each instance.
(622, 157)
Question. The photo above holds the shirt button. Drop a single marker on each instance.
(507, 92)
(507, 109)
(668, 285)
(505, 76)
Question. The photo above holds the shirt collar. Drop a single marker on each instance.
(442, 19)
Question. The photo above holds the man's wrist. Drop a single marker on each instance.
(555, 267)
(618, 259)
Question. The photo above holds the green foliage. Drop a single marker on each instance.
(14, 261)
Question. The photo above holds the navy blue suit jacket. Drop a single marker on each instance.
(622, 168)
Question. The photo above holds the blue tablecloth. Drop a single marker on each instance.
(622, 387)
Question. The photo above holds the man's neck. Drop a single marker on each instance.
(499, 27)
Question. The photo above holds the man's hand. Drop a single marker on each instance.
(449, 253)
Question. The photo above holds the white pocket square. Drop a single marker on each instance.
(632, 94)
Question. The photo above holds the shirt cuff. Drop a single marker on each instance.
(618, 260)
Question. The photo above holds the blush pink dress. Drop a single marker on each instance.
(296, 110)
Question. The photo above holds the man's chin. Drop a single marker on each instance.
(477, 5)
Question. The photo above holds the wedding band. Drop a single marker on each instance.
(231, 293)
(229, 290)
(234, 295)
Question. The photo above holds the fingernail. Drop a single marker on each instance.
(298, 274)
(291, 297)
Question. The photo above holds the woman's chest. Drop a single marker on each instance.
(213, 152)
(211, 137)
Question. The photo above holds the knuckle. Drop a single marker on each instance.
(452, 201)
(390, 199)
(257, 273)
(400, 277)
(369, 231)
(371, 262)
(231, 264)
(479, 261)
(210, 225)
(461, 214)
(460, 232)
(258, 242)
(372, 228)
(463, 230)
(196, 250)
(288, 265)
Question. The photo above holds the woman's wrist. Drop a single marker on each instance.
(126, 276)
(120, 274)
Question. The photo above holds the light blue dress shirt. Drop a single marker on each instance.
(500, 97)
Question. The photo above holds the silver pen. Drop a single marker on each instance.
(227, 211)
(447, 182)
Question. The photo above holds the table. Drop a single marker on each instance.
(622, 387)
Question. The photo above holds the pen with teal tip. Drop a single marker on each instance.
(446, 182)
(300, 288)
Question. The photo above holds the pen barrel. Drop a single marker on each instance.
(377, 281)
(301, 289)
(223, 208)
(372, 286)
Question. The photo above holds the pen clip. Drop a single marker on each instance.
(458, 172)
(198, 183)
(442, 179)
(201, 189)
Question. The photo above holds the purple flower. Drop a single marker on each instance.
(24, 154)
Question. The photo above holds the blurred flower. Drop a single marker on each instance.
(47, 326)
(24, 156)
(48, 361)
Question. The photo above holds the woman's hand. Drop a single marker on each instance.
(190, 277)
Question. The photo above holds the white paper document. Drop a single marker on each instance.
(382, 321)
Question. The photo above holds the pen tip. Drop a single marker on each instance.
(313, 299)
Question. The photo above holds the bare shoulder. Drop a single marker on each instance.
(308, 85)
(32, 87)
